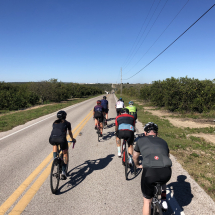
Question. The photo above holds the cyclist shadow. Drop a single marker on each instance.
(107, 136)
(79, 173)
(109, 125)
(110, 119)
(181, 191)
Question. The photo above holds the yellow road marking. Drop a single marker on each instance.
(25, 200)
(16, 194)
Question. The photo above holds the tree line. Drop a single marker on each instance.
(177, 94)
(15, 96)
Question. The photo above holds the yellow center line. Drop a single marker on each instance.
(25, 200)
(16, 194)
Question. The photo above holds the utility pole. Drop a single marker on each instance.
(121, 80)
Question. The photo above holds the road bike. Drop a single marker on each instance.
(156, 200)
(56, 170)
(125, 161)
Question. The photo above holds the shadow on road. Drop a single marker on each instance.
(181, 191)
(79, 173)
(107, 136)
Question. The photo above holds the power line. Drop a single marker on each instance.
(138, 34)
(172, 43)
(159, 36)
(142, 35)
(148, 31)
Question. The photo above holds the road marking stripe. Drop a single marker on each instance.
(25, 200)
(15, 195)
(70, 107)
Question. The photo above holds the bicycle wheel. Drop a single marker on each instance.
(67, 163)
(123, 154)
(157, 209)
(126, 164)
(98, 132)
(55, 176)
(134, 168)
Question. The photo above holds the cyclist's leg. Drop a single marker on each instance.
(54, 151)
(64, 148)
(118, 142)
(146, 206)
(96, 122)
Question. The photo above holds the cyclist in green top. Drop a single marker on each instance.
(132, 109)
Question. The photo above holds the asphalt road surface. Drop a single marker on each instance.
(96, 183)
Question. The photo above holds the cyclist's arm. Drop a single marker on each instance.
(136, 159)
(71, 135)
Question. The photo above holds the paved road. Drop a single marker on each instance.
(96, 182)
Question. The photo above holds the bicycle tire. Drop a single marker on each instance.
(134, 168)
(67, 166)
(157, 209)
(55, 176)
(126, 164)
(98, 132)
(123, 154)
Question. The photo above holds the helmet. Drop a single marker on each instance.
(99, 102)
(124, 110)
(104, 97)
(150, 126)
(131, 103)
(120, 99)
(61, 114)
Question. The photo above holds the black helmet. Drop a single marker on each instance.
(124, 110)
(151, 126)
(104, 97)
(61, 114)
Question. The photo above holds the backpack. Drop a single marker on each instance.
(58, 134)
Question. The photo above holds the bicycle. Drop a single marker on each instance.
(125, 160)
(56, 170)
(156, 200)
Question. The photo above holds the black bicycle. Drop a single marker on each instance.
(156, 200)
(125, 161)
(56, 170)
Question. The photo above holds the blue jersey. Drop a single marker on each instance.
(104, 103)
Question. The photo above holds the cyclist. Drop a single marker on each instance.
(125, 127)
(156, 165)
(132, 109)
(98, 114)
(104, 104)
(119, 105)
(58, 137)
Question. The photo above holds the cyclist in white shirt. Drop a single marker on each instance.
(119, 105)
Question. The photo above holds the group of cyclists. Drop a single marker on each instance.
(156, 163)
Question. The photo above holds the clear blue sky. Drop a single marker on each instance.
(88, 41)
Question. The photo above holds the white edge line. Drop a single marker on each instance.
(45, 119)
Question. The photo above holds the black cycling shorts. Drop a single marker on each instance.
(134, 114)
(106, 110)
(118, 111)
(59, 141)
(126, 135)
(152, 175)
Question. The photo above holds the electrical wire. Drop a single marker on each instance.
(159, 36)
(171, 43)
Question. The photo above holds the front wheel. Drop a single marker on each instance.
(55, 175)
(67, 162)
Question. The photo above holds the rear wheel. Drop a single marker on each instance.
(126, 164)
(55, 176)
(157, 209)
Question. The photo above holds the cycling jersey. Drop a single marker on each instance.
(125, 122)
(58, 134)
(98, 109)
(154, 151)
(120, 104)
(132, 109)
(104, 103)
